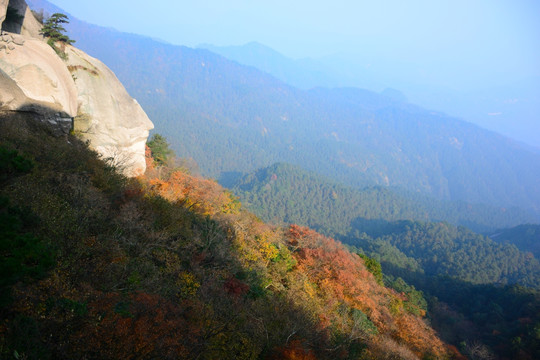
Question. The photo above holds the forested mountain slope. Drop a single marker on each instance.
(381, 221)
(443, 249)
(234, 119)
(168, 265)
(287, 193)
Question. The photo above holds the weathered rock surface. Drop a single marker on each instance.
(28, 25)
(3, 10)
(40, 73)
(113, 121)
(11, 95)
(79, 91)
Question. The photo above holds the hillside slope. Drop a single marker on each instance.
(95, 265)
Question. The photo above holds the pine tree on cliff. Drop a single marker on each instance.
(54, 30)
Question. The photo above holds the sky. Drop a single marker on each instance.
(462, 45)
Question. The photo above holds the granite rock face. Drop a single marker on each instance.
(39, 72)
(11, 95)
(74, 92)
(113, 121)
(25, 23)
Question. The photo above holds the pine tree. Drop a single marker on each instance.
(54, 30)
(160, 148)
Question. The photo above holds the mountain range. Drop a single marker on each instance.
(234, 119)
(493, 107)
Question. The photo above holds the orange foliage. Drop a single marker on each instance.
(202, 195)
(341, 278)
(148, 159)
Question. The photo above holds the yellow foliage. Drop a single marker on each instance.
(269, 251)
(396, 306)
(188, 284)
(310, 289)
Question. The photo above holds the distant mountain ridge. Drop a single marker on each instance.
(234, 119)
(492, 107)
(302, 73)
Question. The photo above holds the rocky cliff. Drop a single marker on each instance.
(16, 17)
(76, 92)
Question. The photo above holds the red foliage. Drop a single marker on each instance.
(454, 353)
(141, 326)
(235, 287)
(294, 350)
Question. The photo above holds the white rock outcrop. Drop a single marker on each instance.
(11, 95)
(113, 121)
(79, 92)
(39, 72)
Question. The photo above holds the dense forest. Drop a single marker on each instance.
(284, 192)
(525, 237)
(168, 265)
(443, 249)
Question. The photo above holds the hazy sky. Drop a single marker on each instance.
(458, 44)
(504, 32)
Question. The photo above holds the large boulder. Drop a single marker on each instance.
(75, 92)
(40, 73)
(113, 121)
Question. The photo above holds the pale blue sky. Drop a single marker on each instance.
(506, 32)
(463, 45)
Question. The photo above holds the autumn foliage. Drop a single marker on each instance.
(343, 282)
(168, 266)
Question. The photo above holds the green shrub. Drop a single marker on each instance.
(160, 148)
(22, 255)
